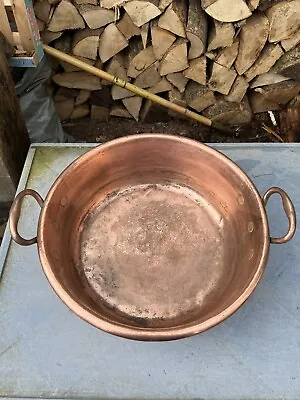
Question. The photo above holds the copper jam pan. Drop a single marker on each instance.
(153, 237)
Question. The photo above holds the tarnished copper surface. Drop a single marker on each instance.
(155, 237)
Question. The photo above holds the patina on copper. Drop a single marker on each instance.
(153, 237)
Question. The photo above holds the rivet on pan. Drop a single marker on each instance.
(250, 226)
(64, 201)
(241, 200)
(56, 225)
(56, 254)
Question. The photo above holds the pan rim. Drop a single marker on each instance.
(140, 333)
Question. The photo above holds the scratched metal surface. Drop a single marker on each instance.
(48, 352)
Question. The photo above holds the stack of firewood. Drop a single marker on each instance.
(226, 59)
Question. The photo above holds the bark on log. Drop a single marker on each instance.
(196, 29)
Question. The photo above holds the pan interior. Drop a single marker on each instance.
(156, 253)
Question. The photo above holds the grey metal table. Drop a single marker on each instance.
(48, 352)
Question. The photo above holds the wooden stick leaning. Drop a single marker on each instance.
(129, 86)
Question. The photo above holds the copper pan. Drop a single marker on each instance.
(153, 237)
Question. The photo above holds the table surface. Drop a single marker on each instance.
(46, 351)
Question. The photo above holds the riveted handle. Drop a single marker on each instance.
(289, 211)
(14, 216)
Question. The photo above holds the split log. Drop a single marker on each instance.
(64, 108)
(141, 62)
(141, 12)
(112, 3)
(289, 44)
(267, 58)
(177, 98)
(230, 114)
(198, 96)
(64, 43)
(95, 16)
(228, 55)
(133, 106)
(41, 25)
(238, 90)
(152, 112)
(220, 35)
(222, 11)
(252, 4)
(118, 110)
(197, 70)
(53, 2)
(127, 27)
(162, 86)
(82, 97)
(119, 93)
(211, 55)
(48, 36)
(82, 2)
(174, 19)
(265, 4)
(273, 97)
(42, 10)
(111, 42)
(207, 3)
(284, 19)
(80, 111)
(163, 4)
(86, 43)
(65, 16)
(221, 79)
(63, 93)
(116, 68)
(268, 78)
(196, 30)
(289, 64)
(253, 37)
(178, 80)
(100, 113)
(71, 68)
(77, 80)
(175, 60)
(161, 40)
(144, 34)
(149, 77)
(99, 63)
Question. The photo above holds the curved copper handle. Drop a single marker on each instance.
(289, 211)
(14, 216)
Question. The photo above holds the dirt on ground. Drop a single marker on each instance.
(92, 131)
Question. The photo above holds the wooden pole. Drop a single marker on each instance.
(14, 141)
(129, 86)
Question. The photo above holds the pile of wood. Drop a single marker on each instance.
(226, 59)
